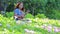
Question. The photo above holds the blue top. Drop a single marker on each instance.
(18, 12)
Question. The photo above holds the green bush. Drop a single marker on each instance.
(40, 16)
(9, 14)
(29, 15)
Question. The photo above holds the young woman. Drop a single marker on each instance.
(18, 12)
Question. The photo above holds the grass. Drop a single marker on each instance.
(35, 25)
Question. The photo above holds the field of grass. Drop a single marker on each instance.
(33, 26)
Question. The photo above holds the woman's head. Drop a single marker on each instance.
(20, 5)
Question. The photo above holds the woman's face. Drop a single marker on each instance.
(21, 5)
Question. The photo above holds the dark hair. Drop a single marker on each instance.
(17, 6)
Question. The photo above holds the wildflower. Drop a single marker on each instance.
(29, 31)
(56, 29)
(44, 26)
(49, 28)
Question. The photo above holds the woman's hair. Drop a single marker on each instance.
(17, 6)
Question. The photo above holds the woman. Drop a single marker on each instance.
(18, 12)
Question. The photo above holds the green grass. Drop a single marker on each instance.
(19, 29)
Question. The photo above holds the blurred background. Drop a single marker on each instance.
(50, 8)
(43, 17)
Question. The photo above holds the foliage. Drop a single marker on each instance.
(9, 26)
(40, 16)
(29, 15)
(9, 14)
